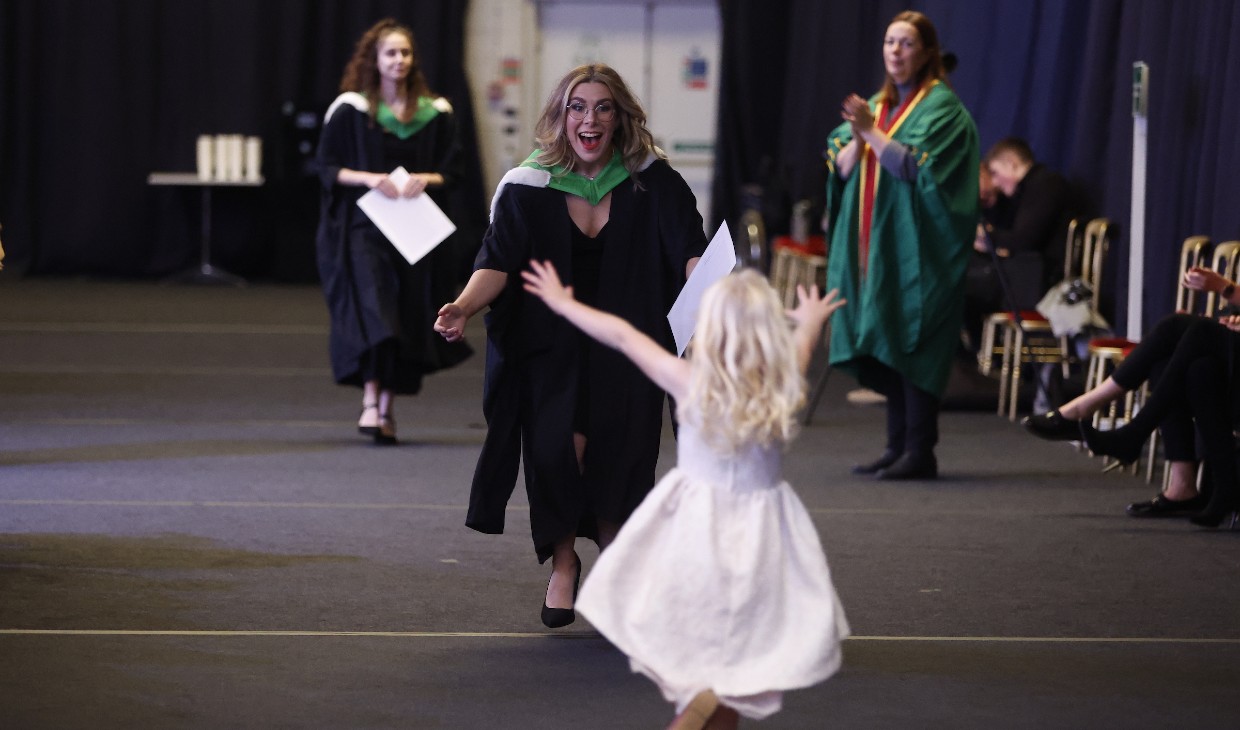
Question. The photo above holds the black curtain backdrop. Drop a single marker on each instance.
(1055, 72)
(96, 95)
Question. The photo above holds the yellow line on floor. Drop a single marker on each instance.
(224, 504)
(168, 328)
(236, 505)
(593, 635)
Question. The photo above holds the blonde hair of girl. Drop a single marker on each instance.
(745, 385)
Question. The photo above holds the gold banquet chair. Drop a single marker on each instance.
(990, 347)
(1030, 340)
(1227, 263)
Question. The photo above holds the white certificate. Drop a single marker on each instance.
(415, 226)
(716, 263)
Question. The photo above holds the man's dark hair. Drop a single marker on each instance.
(1012, 145)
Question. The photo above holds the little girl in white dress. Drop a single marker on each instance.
(717, 587)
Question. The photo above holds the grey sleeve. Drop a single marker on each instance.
(899, 161)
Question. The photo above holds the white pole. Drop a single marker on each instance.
(1136, 225)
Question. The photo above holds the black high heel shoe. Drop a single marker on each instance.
(1118, 443)
(1052, 426)
(554, 618)
(1219, 508)
(1215, 520)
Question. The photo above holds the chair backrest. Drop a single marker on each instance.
(1194, 252)
(1094, 245)
(1072, 249)
(1226, 261)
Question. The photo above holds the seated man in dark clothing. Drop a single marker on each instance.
(1026, 228)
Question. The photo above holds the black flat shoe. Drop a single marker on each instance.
(887, 459)
(555, 618)
(1160, 506)
(1117, 443)
(911, 466)
(1052, 426)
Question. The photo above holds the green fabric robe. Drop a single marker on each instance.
(907, 311)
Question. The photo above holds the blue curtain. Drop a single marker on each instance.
(1057, 72)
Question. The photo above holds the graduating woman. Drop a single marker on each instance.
(600, 202)
(381, 306)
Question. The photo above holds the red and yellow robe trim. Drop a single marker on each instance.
(887, 123)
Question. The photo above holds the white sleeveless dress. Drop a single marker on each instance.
(718, 581)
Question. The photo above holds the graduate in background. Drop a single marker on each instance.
(381, 307)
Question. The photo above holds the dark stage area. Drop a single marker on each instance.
(192, 535)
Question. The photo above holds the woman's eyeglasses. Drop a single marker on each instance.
(603, 112)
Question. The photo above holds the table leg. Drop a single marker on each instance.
(205, 273)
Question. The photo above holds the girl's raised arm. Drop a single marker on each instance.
(811, 316)
(666, 370)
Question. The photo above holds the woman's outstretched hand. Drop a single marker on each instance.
(812, 309)
(451, 322)
(542, 281)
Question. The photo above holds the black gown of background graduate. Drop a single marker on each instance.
(372, 293)
(532, 368)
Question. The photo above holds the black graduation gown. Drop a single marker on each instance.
(372, 293)
(530, 391)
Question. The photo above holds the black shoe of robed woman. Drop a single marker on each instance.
(1121, 444)
(911, 465)
(887, 459)
(1052, 426)
(554, 618)
(1160, 506)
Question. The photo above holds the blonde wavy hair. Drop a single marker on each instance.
(631, 137)
(744, 385)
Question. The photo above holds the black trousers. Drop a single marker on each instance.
(1147, 362)
(912, 413)
(1186, 337)
(1199, 377)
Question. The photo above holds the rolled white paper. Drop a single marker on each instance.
(253, 158)
(206, 150)
(236, 157)
(221, 157)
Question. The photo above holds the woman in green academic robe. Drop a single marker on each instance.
(902, 205)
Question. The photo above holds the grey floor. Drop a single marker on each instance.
(192, 535)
